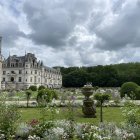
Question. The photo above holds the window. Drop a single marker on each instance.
(35, 71)
(12, 72)
(31, 79)
(4, 72)
(26, 65)
(20, 64)
(35, 79)
(12, 79)
(19, 79)
(31, 72)
(3, 80)
(20, 71)
(26, 72)
(26, 80)
(39, 80)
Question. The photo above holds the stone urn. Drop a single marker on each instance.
(88, 107)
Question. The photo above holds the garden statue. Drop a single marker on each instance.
(88, 107)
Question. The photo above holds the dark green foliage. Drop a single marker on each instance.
(101, 97)
(33, 88)
(138, 93)
(129, 88)
(41, 87)
(102, 76)
(77, 78)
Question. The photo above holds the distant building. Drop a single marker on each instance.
(20, 72)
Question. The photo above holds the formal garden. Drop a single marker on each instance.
(88, 113)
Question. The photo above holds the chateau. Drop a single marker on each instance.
(20, 72)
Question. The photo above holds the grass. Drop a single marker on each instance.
(110, 114)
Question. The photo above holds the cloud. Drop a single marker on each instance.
(119, 29)
(9, 28)
(72, 33)
(53, 21)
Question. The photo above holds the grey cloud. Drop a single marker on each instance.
(9, 29)
(123, 31)
(10, 33)
(75, 32)
(53, 21)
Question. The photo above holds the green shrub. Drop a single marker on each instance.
(131, 113)
(33, 88)
(41, 87)
(129, 89)
(45, 96)
(9, 115)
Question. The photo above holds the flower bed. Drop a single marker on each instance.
(67, 130)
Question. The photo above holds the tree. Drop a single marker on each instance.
(41, 87)
(33, 88)
(101, 98)
(129, 89)
(77, 78)
(28, 96)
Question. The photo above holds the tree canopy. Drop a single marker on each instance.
(102, 76)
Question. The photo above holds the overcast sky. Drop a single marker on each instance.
(72, 32)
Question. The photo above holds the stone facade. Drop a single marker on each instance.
(20, 72)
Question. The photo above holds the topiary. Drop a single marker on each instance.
(101, 98)
(129, 89)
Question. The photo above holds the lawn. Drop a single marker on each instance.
(110, 114)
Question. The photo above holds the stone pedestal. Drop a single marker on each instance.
(88, 107)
